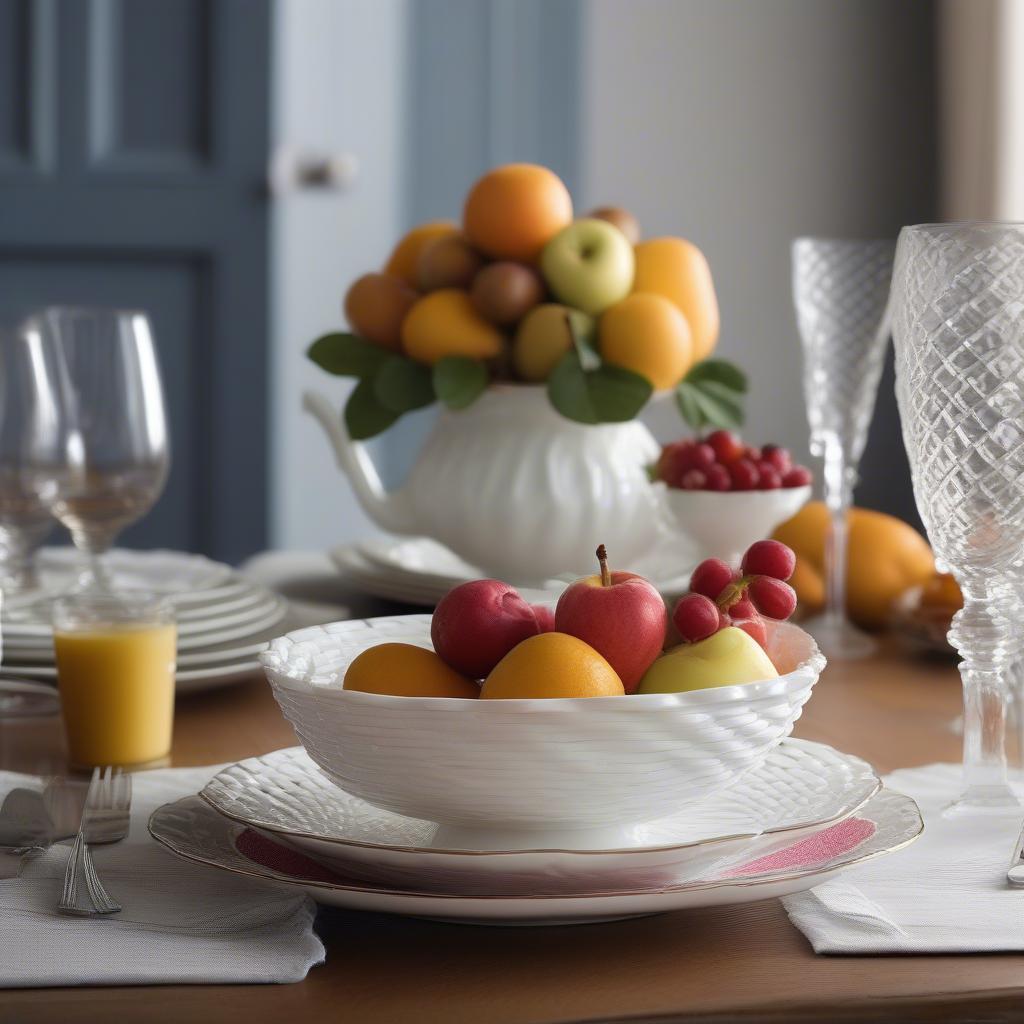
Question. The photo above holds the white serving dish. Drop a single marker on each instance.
(723, 524)
(800, 788)
(574, 773)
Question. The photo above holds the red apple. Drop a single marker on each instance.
(620, 615)
(545, 616)
(476, 624)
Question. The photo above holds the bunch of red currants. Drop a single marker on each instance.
(722, 462)
(721, 596)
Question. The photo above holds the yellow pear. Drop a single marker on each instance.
(725, 658)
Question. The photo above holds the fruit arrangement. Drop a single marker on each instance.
(522, 292)
(722, 462)
(606, 636)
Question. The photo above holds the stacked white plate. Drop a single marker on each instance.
(808, 813)
(418, 570)
(224, 620)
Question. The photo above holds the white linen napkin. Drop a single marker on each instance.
(945, 893)
(182, 923)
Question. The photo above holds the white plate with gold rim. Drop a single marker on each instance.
(799, 789)
(191, 829)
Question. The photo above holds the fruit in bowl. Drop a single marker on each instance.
(721, 494)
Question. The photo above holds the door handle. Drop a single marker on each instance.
(293, 169)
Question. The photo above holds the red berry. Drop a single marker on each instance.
(752, 453)
(768, 478)
(769, 558)
(696, 617)
(798, 476)
(694, 480)
(772, 597)
(674, 461)
(744, 475)
(726, 445)
(755, 628)
(743, 609)
(718, 478)
(702, 456)
(778, 457)
(711, 577)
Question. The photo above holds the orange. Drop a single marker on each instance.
(376, 305)
(677, 269)
(648, 335)
(445, 323)
(404, 670)
(512, 212)
(886, 556)
(942, 591)
(404, 260)
(552, 665)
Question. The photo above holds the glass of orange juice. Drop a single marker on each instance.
(115, 672)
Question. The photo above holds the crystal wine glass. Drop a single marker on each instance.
(841, 291)
(117, 451)
(958, 324)
(28, 423)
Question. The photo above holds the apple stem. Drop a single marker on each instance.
(602, 560)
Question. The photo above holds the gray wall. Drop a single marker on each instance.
(741, 124)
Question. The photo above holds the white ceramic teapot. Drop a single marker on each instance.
(515, 488)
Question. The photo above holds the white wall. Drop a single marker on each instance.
(741, 124)
(339, 85)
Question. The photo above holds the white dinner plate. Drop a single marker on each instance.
(801, 787)
(418, 570)
(888, 822)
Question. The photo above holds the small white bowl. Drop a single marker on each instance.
(506, 774)
(723, 524)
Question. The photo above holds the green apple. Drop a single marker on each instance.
(727, 657)
(589, 265)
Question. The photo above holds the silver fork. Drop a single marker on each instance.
(104, 820)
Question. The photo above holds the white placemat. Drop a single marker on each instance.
(945, 893)
(182, 923)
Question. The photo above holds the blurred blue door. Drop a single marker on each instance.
(134, 142)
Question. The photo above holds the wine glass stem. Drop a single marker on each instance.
(838, 495)
(93, 544)
(983, 634)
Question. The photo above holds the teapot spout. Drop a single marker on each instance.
(391, 510)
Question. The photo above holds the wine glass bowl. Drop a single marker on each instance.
(116, 450)
(958, 324)
(29, 426)
(840, 291)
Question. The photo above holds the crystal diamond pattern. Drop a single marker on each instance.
(841, 289)
(958, 319)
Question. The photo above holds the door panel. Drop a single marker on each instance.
(133, 153)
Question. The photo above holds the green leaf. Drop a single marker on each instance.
(608, 394)
(709, 404)
(347, 355)
(402, 385)
(364, 415)
(718, 371)
(459, 381)
(689, 407)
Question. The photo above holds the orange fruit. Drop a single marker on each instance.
(445, 323)
(942, 591)
(513, 211)
(648, 335)
(886, 556)
(376, 305)
(404, 670)
(677, 269)
(552, 665)
(404, 259)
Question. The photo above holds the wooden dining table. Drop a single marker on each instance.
(735, 963)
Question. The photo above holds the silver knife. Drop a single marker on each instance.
(1015, 873)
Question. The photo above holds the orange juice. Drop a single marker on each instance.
(116, 685)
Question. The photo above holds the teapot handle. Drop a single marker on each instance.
(391, 510)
